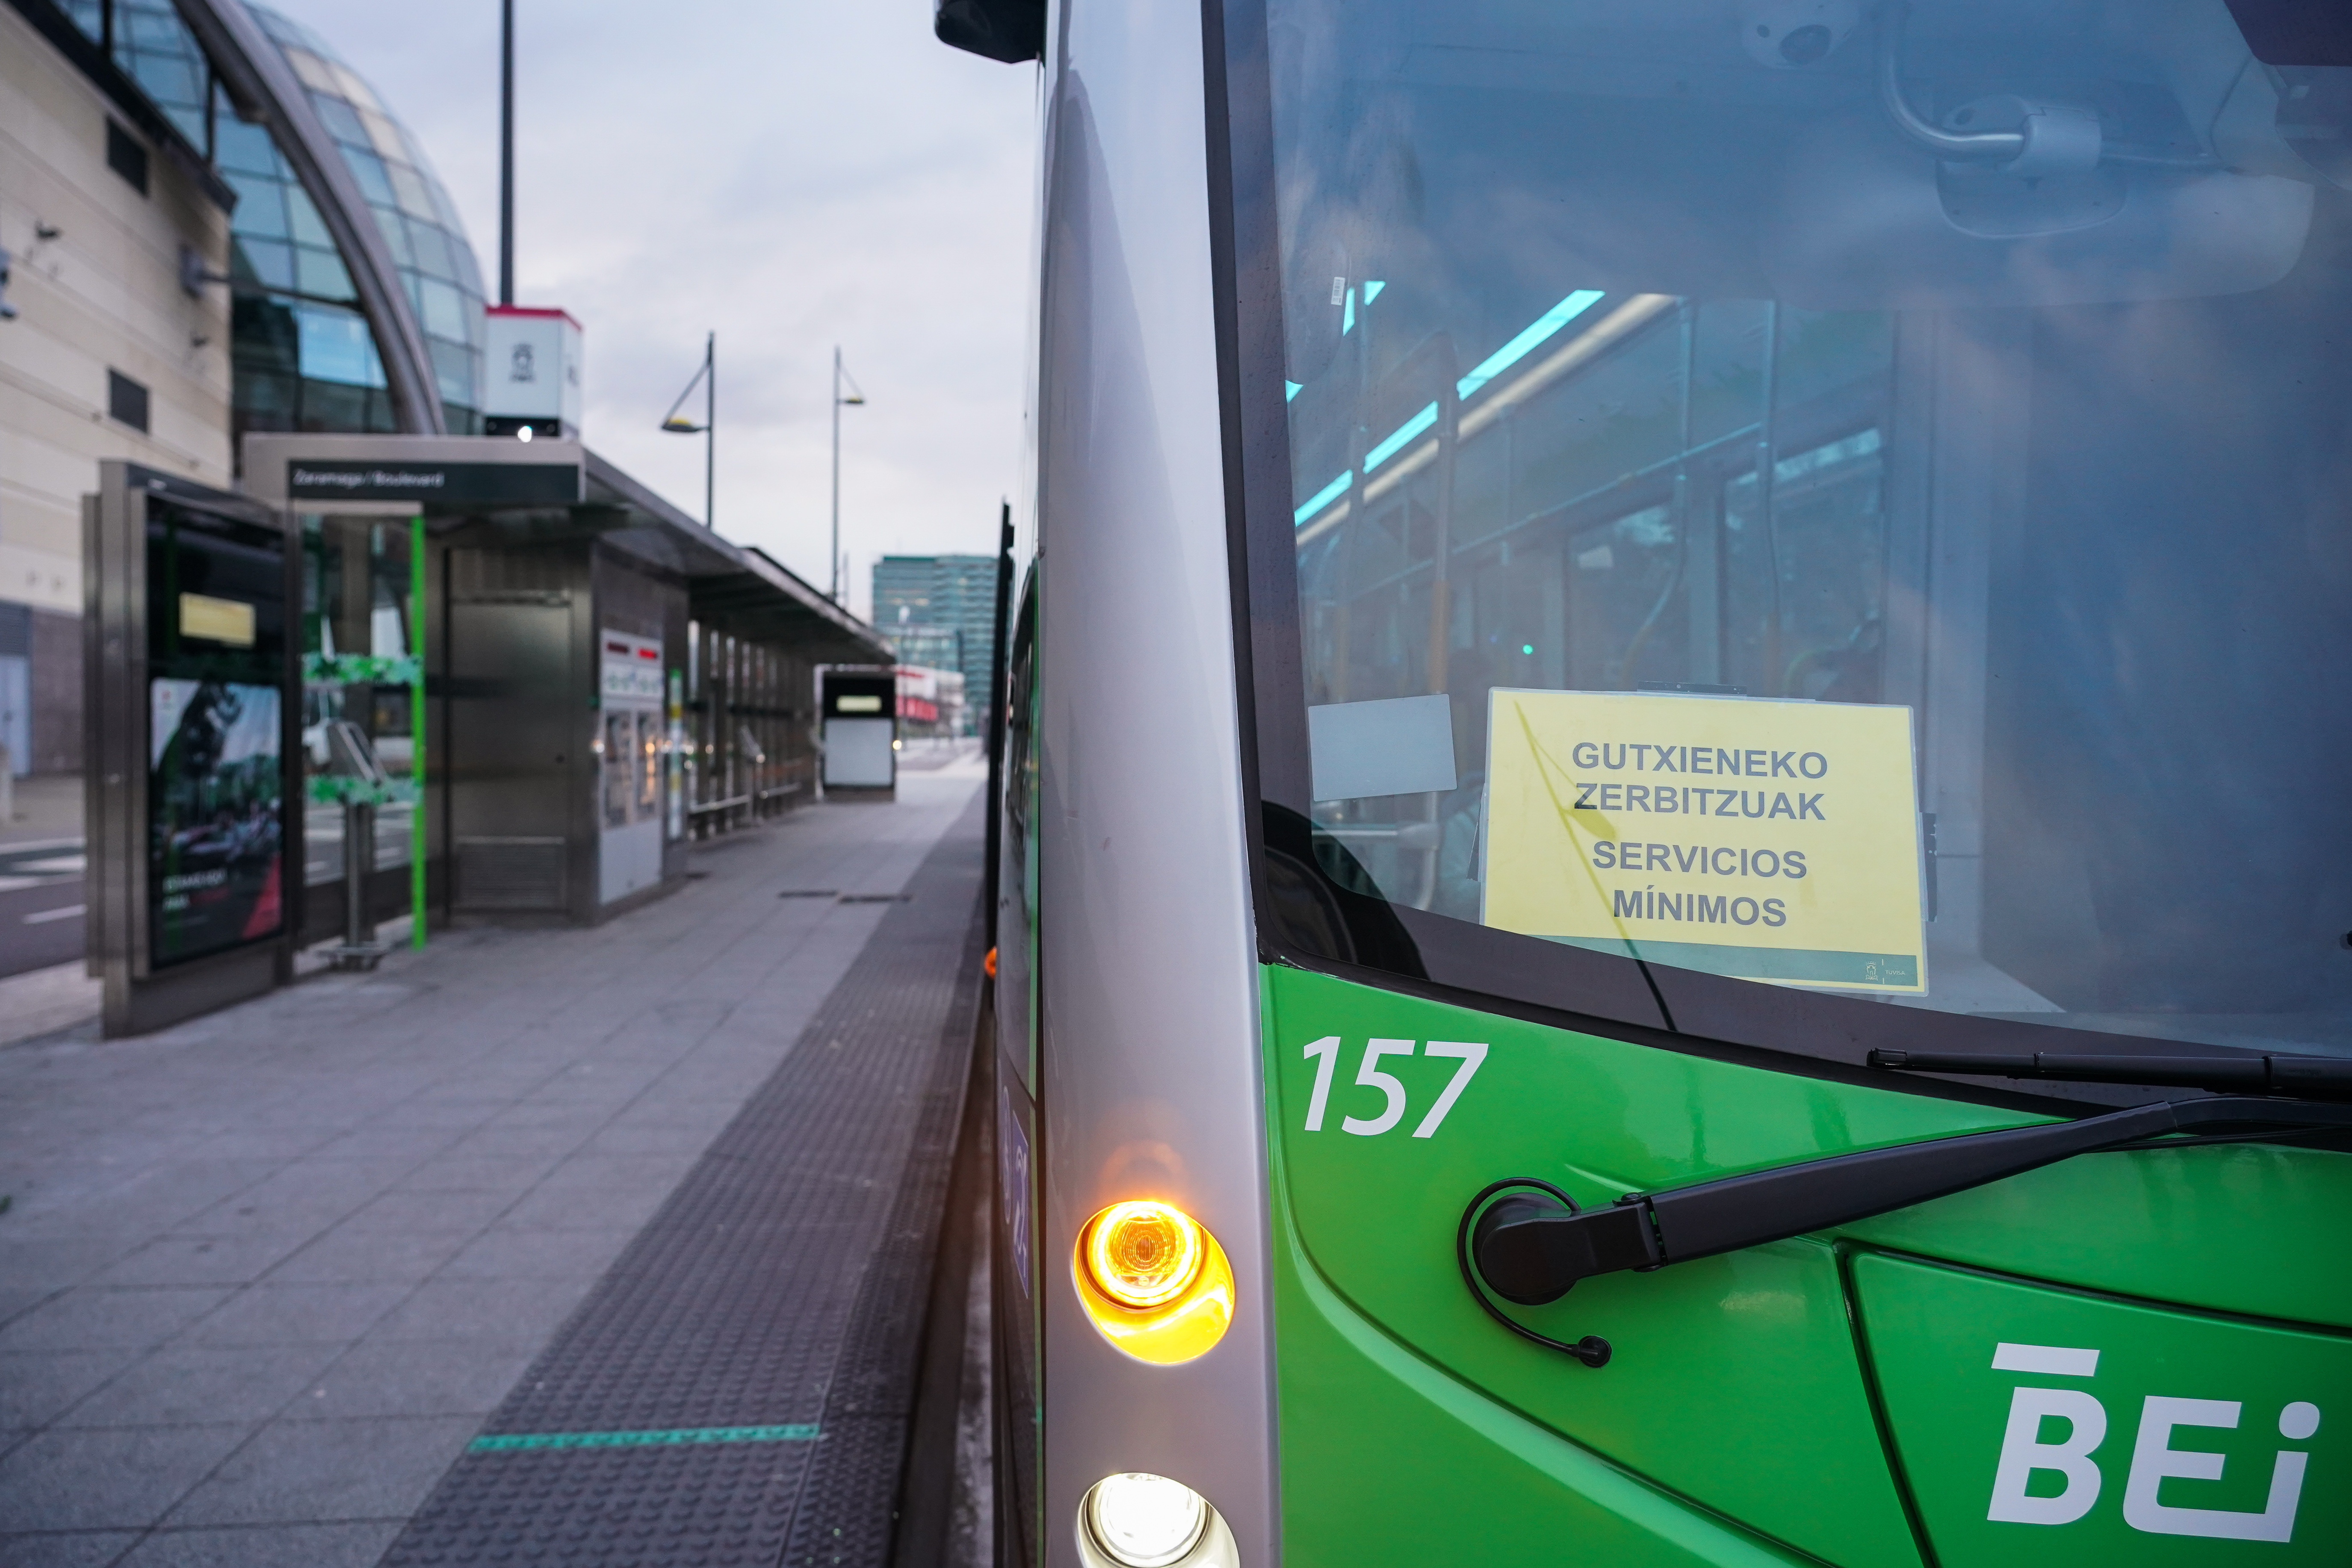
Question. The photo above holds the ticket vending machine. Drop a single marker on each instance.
(861, 732)
(192, 715)
(631, 750)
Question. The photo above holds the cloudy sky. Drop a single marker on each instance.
(793, 175)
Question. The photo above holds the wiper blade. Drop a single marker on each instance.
(2307, 1078)
(1531, 1251)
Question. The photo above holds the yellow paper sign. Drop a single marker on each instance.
(1760, 839)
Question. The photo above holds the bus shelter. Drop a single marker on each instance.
(605, 678)
(538, 678)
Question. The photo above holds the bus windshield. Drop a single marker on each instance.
(1838, 497)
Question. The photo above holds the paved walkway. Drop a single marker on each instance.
(265, 1275)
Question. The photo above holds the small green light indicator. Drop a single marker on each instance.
(1527, 647)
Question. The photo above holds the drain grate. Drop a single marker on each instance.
(810, 893)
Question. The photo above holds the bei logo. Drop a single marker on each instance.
(2022, 1482)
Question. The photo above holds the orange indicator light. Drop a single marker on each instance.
(1156, 1284)
(1142, 1254)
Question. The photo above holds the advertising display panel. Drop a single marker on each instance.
(217, 806)
(216, 829)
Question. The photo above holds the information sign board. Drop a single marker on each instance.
(1764, 840)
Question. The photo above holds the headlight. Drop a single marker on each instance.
(1153, 1281)
(1134, 1520)
(1145, 1522)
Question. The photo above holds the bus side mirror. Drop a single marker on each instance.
(1008, 30)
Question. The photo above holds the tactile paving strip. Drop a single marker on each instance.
(779, 1288)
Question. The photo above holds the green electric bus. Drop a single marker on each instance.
(1676, 881)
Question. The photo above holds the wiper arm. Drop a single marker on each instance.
(2312, 1077)
(1531, 1250)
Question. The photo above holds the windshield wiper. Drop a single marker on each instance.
(2312, 1077)
(1531, 1249)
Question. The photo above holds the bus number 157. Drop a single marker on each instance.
(1325, 1053)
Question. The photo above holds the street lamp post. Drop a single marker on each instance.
(506, 152)
(678, 424)
(839, 402)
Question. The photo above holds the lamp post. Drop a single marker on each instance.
(506, 152)
(839, 402)
(678, 424)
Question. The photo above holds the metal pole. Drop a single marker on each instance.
(506, 152)
(833, 555)
(710, 431)
(359, 861)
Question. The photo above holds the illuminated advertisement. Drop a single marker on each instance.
(216, 803)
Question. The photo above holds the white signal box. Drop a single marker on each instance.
(533, 373)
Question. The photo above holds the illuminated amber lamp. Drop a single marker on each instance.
(1153, 1281)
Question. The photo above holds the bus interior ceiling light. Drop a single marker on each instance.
(1154, 1281)
(1324, 497)
(1397, 438)
(1527, 343)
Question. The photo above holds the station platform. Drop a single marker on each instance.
(611, 1246)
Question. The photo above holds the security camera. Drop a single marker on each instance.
(1789, 35)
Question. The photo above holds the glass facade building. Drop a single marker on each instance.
(412, 210)
(951, 593)
(305, 355)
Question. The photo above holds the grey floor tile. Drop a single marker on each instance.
(462, 1211)
(355, 1545)
(512, 1142)
(479, 1173)
(38, 1386)
(310, 1471)
(52, 1263)
(344, 1256)
(483, 1309)
(92, 1317)
(108, 1478)
(16, 1303)
(204, 1260)
(584, 1206)
(183, 1385)
(246, 1141)
(523, 1252)
(70, 1549)
(415, 1377)
(416, 1144)
(275, 1314)
(442, 1112)
(662, 1139)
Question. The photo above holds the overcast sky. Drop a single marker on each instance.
(793, 175)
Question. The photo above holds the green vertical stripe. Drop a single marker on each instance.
(416, 837)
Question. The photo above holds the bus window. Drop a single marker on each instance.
(1877, 518)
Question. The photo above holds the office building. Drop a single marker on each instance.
(955, 593)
